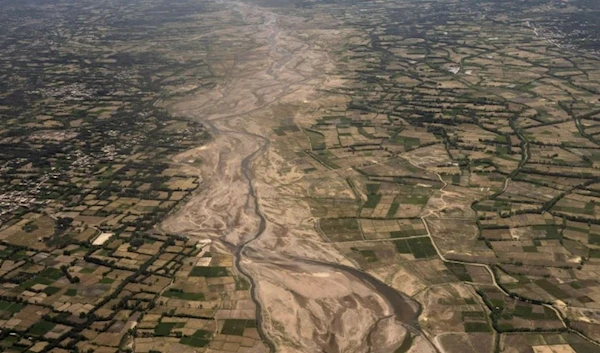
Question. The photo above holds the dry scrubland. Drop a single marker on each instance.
(383, 176)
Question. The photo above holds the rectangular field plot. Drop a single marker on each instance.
(397, 228)
(520, 221)
(164, 328)
(236, 327)
(390, 200)
(584, 294)
(577, 205)
(419, 247)
(460, 271)
(526, 232)
(379, 254)
(317, 139)
(333, 208)
(340, 229)
(7, 309)
(358, 155)
(200, 338)
(208, 271)
(587, 234)
(41, 328)
(180, 294)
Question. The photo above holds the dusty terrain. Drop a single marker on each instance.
(309, 297)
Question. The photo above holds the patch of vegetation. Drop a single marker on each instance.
(241, 283)
(10, 307)
(50, 290)
(372, 201)
(392, 210)
(406, 233)
(372, 188)
(477, 327)
(200, 338)
(552, 289)
(460, 271)
(209, 271)
(164, 328)
(41, 328)
(236, 327)
(180, 294)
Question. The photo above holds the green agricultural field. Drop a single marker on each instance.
(236, 327)
(372, 201)
(209, 271)
(477, 327)
(200, 338)
(165, 328)
(41, 328)
(419, 247)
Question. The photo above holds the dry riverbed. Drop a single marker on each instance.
(309, 297)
